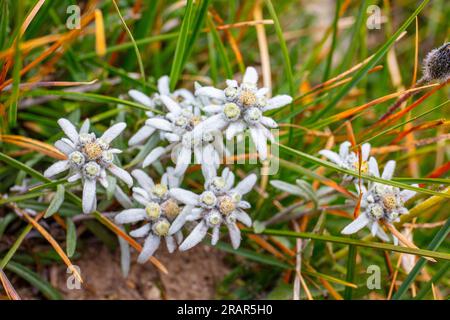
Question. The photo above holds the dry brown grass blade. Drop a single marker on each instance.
(26, 46)
(423, 126)
(53, 243)
(266, 246)
(85, 20)
(403, 239)
(100, 41)
(331, 289)
(232, 41)
(110, 225)
(9, 289)
(33, 144)
(31, 85)
(401, 113)
(348, 113)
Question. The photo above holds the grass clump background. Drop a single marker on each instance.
(354, 70)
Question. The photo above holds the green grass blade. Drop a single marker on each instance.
(220, 48)
(91, 97)
(136, 49)
(33, 278)
(370, 64)
(356, 242)
(434, 245)
(326, 164)
(181, 48)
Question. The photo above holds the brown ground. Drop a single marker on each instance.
(192, 275)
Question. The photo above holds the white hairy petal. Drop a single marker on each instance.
(130, 216)
(213, 108)
(163, 85)
(143, 179)
(171, 244)
(210, 92)
(388, 171)
(246, 185)
(89, 196)
(344, 149)
(365, 151)
(373, 167)
(56, 168)
(69, 129)
(250, 76)
(171, 105)
(185, 196)
(277, 102)
(405, 195)
(121, 174)
(260, 141)
(183, 161)
(141, 98)
(153, 156)
(159, 123)
(64, 147)
(142, 134)
(74, 177)
(243, 217)
(150, 246)
(180, 220)
(356, 224)
(235, 235)
(235, 128)
(141, 232)
(112, 133)
(215, 235)
(331, 155)
(195, 236)
(85, 126)
(269, 122)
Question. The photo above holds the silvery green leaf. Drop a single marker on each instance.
(289, 188)
(258, 226)
(308, 190)
(71, 237)
(112, 182)
(56, 202)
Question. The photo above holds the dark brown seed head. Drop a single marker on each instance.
(436, 66)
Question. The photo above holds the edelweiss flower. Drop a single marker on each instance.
(183, 96)
(380, 202)
(242, 107)
(350, 160)
(159, 212)
(177, 128)
(219, 204)
(88, 159)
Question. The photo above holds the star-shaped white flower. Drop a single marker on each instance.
(183, 96)
(219, 204)
(350, 160)
(241, 107)
(159, 212)
(88, 158)
(380, 202)
(177, 127)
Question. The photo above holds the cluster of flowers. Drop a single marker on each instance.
(379, 202)
(191, 125)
